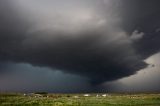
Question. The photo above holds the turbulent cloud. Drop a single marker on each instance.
(144, 16)
(136, 35)
(77, 37)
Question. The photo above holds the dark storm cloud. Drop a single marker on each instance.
(82, 42)
(26, 78)
(144, 15)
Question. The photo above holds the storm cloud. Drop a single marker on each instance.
(84, 38)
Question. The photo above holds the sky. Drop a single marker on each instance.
(79, 45)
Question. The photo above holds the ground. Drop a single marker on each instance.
(12, 99)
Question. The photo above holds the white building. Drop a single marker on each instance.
(104, 95)
(86, 95)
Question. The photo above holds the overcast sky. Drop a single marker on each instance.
(79, 45)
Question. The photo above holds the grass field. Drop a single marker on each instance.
(80, 100)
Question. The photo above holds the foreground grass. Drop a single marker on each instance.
(80, 100)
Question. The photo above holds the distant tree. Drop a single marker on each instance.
(42, 93)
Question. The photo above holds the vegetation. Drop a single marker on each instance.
(80, 100)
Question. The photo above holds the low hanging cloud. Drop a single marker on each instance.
(77, 40)
(136, 35)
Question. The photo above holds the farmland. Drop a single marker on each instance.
(12, 99)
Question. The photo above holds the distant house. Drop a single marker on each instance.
(86, 95)
(104, 95)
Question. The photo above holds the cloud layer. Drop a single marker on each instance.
(70, 36)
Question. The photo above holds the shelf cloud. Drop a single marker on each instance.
(84, 37)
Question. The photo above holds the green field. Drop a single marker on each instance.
(79, 100)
